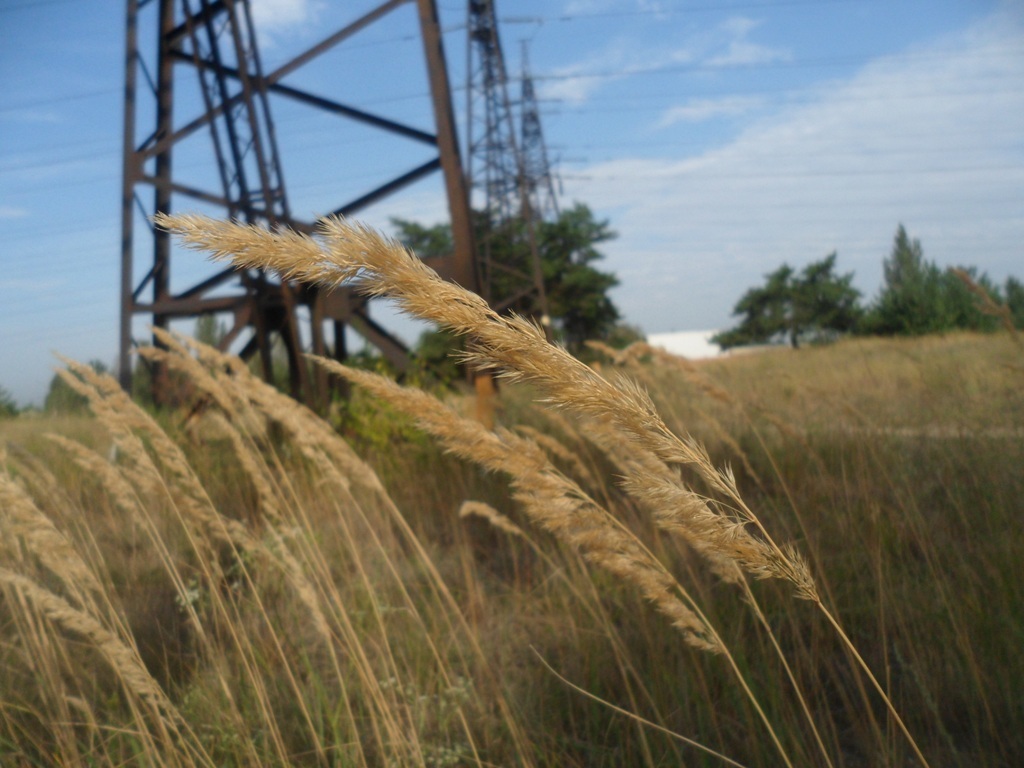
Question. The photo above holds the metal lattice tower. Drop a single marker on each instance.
(537, 176)
(494, 164)
(511, 279)
(216, 40)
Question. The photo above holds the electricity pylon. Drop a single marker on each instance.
(509, 262)
(538, 178)
(211, 46)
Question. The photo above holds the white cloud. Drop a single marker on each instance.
(739, 26)
(275, 18)
(574, 83)
(273, 14)
(425, 204)
(31, 116)
(569, 86)
(929, 139)
(13, 212)
(588, 7)
(585, 7)
(699, 110)
(740, 51)
(727, 45)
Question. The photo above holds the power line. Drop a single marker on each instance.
(987, 138)
(811, 63)
(901, 173)
(662, 12)
(59, 99)
(554, 77)
(631, 110)
(795, 95)
(823, 62)
(47, 146)
(9, 7)
(889, 155)
(14, 235)
(58, 161)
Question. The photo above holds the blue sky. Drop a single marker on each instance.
(719, 138)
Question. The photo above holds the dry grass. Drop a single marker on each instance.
(239, 586)
(231, 580)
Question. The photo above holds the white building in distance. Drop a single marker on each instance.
(693, 345)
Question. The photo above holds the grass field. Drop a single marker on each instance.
(245, 583)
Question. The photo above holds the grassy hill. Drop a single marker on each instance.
(248, 584)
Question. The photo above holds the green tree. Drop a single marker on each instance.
(624, 334)
(210, 330)
(814, 305)
(962, 308)
(61, 398)
(8, 408)
(824, 304)
(427, 242)
(1014, 297)
(436, 352)
(919, 297)
(577, 291)
(910, 301)
(764, 310)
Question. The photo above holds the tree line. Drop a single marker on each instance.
(917, 297)
(578, 304)
(811, 305)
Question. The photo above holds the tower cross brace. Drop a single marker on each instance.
(216, 40)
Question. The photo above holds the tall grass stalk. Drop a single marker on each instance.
(725, 526)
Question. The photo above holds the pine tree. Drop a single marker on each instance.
(814, 305)
(8, 408)
(918, 297)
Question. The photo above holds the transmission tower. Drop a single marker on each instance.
(537, 176)
(510, 279)
(211, 46)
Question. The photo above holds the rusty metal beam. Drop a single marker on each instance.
(464, 269)
(394, 351)
(342, 34)
(164, 183)
(202, 17)
(209, 283)
(214, 39)
(130, 172)
(191, 307)
(390, 187)
(355, 114)
(304, 97)
(150, 148)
